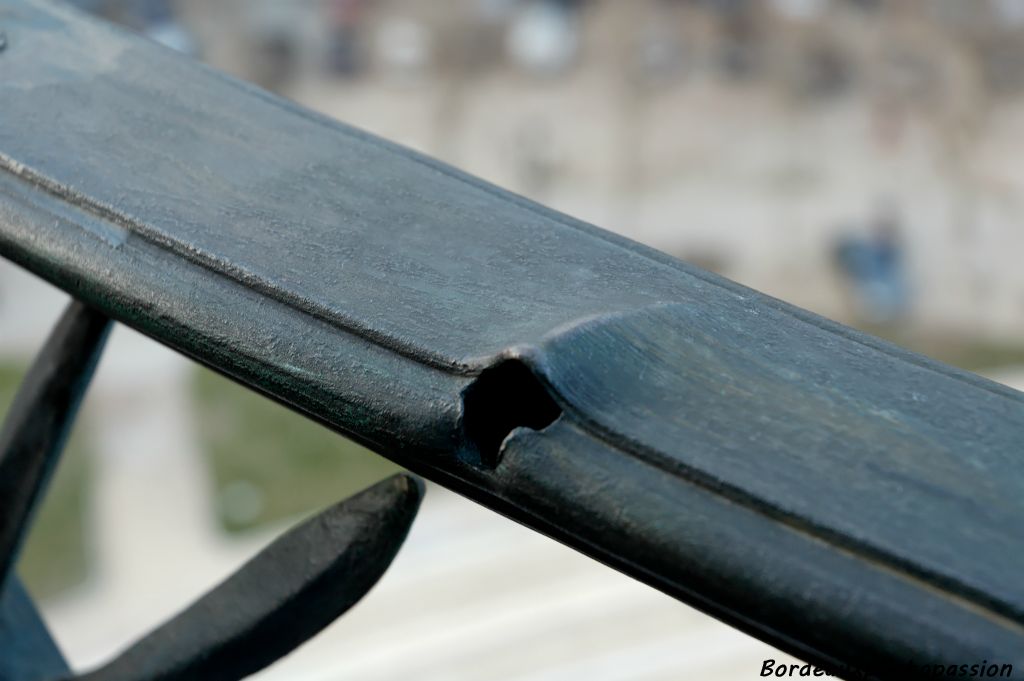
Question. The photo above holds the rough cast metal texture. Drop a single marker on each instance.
(830, 493)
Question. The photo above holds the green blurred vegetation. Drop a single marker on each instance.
(269, 463)
(55, 554)
(965, 353)
(975, 356)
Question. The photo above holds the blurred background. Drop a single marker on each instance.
(855, 157)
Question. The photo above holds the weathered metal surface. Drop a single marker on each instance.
(828, 492)
(285, 595)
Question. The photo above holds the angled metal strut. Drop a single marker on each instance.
(849, 501)
(290, 591)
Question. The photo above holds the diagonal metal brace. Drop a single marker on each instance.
(285, 595)
(31, 441)
(38, 422)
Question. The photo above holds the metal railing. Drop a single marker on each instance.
(844, 499)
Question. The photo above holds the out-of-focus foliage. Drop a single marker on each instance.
(269, 463)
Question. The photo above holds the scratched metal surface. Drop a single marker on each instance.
(833, 494)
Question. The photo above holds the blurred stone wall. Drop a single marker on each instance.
(747, 137)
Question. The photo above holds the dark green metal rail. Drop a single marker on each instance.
(851, 502)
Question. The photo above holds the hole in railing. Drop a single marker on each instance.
(504, 397)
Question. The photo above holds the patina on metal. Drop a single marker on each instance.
(842, 498)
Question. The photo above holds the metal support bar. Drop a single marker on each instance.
(31, 441)
(281, 598)
(40, 418)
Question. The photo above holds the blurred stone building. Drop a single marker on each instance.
(749, 137)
